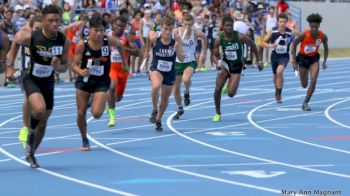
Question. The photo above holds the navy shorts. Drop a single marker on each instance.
(93, 86)
(168, 77)
(306, 61)
(278, 59)
(43, 86)
(234, 68)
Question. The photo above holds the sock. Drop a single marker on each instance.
(111, 112)
(181, 107)
(278, 92)
(307, 99)
(33, 123)
(30, 144)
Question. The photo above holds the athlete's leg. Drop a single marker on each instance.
(304, 76)
(314, 71)
(233, 84)
(111, 98)
(164, 100)
(82, 99)
(98, 104)
(156, 80)
(279, 83)
(221, 78)
(41, 129)
(186, 78)
(177, 91)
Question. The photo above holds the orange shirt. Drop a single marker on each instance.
(73, 36)
(310, 46)
(116, 59)
(137, 28)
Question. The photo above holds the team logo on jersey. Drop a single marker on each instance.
(87, 53)
(234, 46)
(318, 42)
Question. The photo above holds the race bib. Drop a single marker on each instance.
(56, 50)
(116, 57)
(138, 33)
(281, 49)
(96, 70)
(26, 62)
(75, 39)
(42, 71)
(231, 55)
(164, 65)
(105, 51)
(10, 37)
(309, 49)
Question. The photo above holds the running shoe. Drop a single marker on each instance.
(152, 119)
(266, 64)
(178, 114)
(86, 145)
(23, 135)
(224, 90)
(187, 100)
(216, 118)
(32, 161)
(10, 85)
(278, 99)
(111, 112)
(305, 107)
(158, 126)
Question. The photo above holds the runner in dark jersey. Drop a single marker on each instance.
(49, 53)
(231, 42)
(34, 24)
(308, 58)
(92, 65)
(166, 47)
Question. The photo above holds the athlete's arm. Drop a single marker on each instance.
(132, 47)
(216, 51)
(325, 52)
(5, 46)
(204, 41)
(267, 38)
(78, 56)
(113, 42)
(250, 43)
(152, 36)
(294, 48)
(61, 64)
(178, 48)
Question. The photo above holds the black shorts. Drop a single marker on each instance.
(199, 46)
(234, 68)
(168, 77)
(306, 61)
(278, 59)
(93, 85)
(37, 85)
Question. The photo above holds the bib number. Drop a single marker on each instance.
(42, 71)
(309, 49)
(105, 51)
(231, 55)
(164, 65)
(56, 50)
(75, 39)
(281, 49)
(10, 37)
(96, 70)
(116, 57)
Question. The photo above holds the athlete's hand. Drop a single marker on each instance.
(125, 67)
(274, 45)
(84, 72)
(55, 62)
(295, 65)
(324, 66)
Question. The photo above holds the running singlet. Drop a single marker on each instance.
(42, 51)
(164, 56)
(232, 49)
(310, 46)
(115, 55)
(189, 48)
(100, 59)
(282, 40)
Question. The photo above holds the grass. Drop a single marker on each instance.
(337, 52)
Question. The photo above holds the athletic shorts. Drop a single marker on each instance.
(180, 67)
(306, 61)
(278, 59)
(44, 86)
(20, 80)
(168, 77)
(199, 46)
(118, 74)
(211, 43)
(233, 68)
(138, 43)
(93, 85)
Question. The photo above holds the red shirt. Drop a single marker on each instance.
(282, 6)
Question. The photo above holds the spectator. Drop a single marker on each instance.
(282, 7)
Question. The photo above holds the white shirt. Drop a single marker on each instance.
(240, 26)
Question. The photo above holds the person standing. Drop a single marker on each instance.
(231, 43)
(92, 65)
(166, 47)
(308, 57)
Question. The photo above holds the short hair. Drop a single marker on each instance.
(34, 20)
(122, 19)
(168, 21)
(50, 9)
(106, 14)
(96, 21)
(138, 12)
(187, 17)
(225, 19)
(123, 11)
(316, 17)
(283, 15)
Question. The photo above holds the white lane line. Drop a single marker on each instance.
(326, 113)
(184, 171)
(242, 164)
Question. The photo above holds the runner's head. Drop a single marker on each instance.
(167, 26)
(119, 25)
(36, 23)
(227, 24)
(96, 27)
(51, 19)
(282, 20)
(187, 21)
(314, 21)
